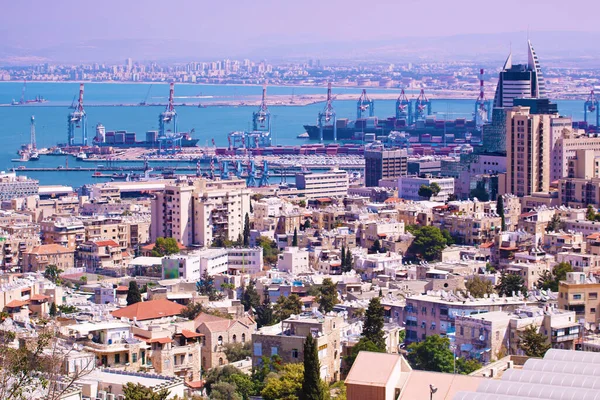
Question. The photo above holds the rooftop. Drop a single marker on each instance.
(152, 309)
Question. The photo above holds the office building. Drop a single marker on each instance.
(408, 187)
(384, 164)
(333, 183)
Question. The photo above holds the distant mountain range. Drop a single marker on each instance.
(576, 49)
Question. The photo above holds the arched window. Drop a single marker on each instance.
(220, 341)
(234, 338)
(243, 338)
(220, 360)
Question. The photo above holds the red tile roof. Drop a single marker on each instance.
(190, 334)
(51, 249)
(16, 303)
(110, 243)
(195, 384)
(122, 288)
(152, 309)
(39, 297)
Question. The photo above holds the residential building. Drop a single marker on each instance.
(101, 255)
(294, 260)
(217, 333)
(384, 164)
(531, 265)
(66, 231)
(408, 187)
(333, 183)
(372, 265)
(287, 341)
(580, 294)
(13, 186)
(44, 255)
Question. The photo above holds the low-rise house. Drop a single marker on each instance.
(42, 256)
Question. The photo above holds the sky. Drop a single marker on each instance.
(234, 26)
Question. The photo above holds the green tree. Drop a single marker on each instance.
(264, 314)
(231, 375)
(480, 192)
(435, 188)
(312, 386)
(250, 297)
(349, 261)
(237, 351)
(270, 250)
(165, 247)
(550, 280)
(306, 224)
(465, 367)
(53, 310)
(247, 230)
(286, 306)
(286, 384)
(362, 345)
(83, 279)
(425, 192)
(376, 248)
(343, 258)
(555, 224)
(431, 354)
(295, 238)
(141, 392)
(500, 211)
(534, 344)
(191, 311)
(328, 296)
(224, 391)
(479, 287)
(428, 242)
(510, 283)
(52, 273)
(590, 214)
(373, 325)
(206, 287)
(448, 236)
(133, 293)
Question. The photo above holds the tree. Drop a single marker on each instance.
(295, 238)
(349, 261)
(448, 236)
(206, 287)
(510, 283)
(52, 273)
(373, 325)
(264, 314)
(479, 287)
(286, 306)
(312, 386)
(425, 191)
(133, 293)
(480, 192)
(376, 248)
(53, 310)
(428, 242)
(191, 311)
(141, 392)
(328, 296)
(465, 367)
(500, 211)
(452, 197)
(250, 297)
(270, 250)
(343, 258)
(550, 280)
(432, 354)
(237, 351)
(590, 214)
(83, 280)
(555, 224)
(286, 384)
(435, 188)
(362, 345)
(232, 375)
(534, 344)
(165, 247)
(224, 391)
(247, 230)
(307, 223)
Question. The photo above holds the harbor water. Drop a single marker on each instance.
(210, 123)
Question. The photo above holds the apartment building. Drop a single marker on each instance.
(580, 294)
(293, 260)
(101, 255)
(408, 187)
(333, 183)
(44, 255)
(384, 164)
(530, 265)
(197, 211)
(372, 265)
(65, 231)
(287, 341)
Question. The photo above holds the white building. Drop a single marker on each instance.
(293, 260)
(333, 183)
(245, 260)
(408, 187)
(371, 265)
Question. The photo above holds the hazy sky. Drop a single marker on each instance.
(47, 23)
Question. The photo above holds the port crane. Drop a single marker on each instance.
(261, 119)
(145, 101)
(77, 120)
(364, 104)
(403, 108)
(422, 106)
(327, 116)
(591, 106)
(168, 138)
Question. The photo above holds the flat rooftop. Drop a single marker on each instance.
(122, 379)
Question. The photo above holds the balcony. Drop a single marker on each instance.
(565, 338)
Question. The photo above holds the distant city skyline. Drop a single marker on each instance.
(73, 31)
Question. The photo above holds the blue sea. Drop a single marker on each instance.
(209, 123)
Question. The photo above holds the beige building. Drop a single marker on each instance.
(66, 231)
(96, 255)
(219, 332)
(287, 341)
(42, 256)
(527, 152)
(195, 212)
(579, 294)
(333, 183)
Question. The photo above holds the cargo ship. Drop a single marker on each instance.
(124, 139)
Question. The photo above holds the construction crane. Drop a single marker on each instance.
(144, 102)
(591, 106)
(403, 109)
(422, 106)
(327, 116)
(77, 120)
(364, 104)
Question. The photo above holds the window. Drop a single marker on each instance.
(274, 351)
(462, 331)
(117, 358)
(220, 360)
(258, 349)
(593, 296)
(234, 338)
(220, 340)
(577, 297)
(592, 310)
(294, 353)
(134, 357)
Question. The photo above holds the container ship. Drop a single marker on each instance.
(124, 139)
